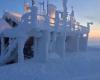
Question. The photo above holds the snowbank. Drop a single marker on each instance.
(75, 66)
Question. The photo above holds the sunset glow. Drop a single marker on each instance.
(95, 33)
(94, 36)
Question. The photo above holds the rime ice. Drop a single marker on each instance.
(39, 32)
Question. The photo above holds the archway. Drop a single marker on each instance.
(28, 48)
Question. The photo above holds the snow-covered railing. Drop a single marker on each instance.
(9, 49)
(16, 17)
(84, 29)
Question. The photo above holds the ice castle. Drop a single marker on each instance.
(39, 32)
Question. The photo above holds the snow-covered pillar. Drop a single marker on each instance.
(21, 43)
(74, 44)
(65, 9)
(34, 16)
(10, 41)
(86, 39)
(42, 47)
(60, 44)
(84, 42)
(56, 29)
(60, 41)
(53, 42)
(54, 33)
(2, 45)
(77, 42)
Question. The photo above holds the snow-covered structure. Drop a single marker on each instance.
(37, 33)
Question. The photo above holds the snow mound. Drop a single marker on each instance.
(74, 66)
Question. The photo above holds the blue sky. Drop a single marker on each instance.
(85, 10)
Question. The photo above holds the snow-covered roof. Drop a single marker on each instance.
(17, 14)
(13, 15)
(4, 25)
(21, 30)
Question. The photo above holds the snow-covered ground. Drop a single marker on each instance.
(75, 66)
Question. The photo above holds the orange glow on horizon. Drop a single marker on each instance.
(94, 33)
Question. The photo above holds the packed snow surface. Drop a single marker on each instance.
(74, 66)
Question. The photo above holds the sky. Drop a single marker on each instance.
(85, 11)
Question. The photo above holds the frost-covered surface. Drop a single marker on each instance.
(75, 66)
(4, 25)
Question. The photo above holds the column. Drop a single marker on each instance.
(77, 42)
(2, 45)
(42, 47)
(60, 44)
(21, 43)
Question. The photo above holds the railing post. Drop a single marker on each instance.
(2, 45)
